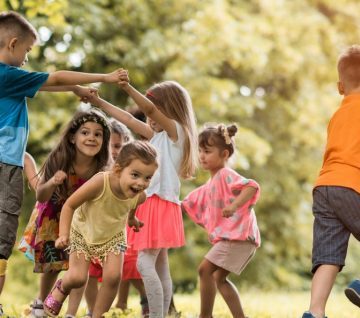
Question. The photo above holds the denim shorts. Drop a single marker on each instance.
(11, 195)
(337, 215)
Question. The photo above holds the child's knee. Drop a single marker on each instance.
(112, 280)
(3, 267)
(75, 279)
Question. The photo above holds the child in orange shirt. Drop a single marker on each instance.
(336, 195)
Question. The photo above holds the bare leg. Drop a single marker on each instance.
(75, 300)
(2, 282)
(47, 281)
(112, 269)
(91, 292)
(207, 288)
(322, 283)
(139, 285)
(123, 294)
(229, 292)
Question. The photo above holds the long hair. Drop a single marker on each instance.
(174, 101)
(64, 153)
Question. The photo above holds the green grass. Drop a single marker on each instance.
(257, 304)
(22, 285)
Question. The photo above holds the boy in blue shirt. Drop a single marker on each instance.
(17, 37)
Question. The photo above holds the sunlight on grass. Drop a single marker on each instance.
(256, 304)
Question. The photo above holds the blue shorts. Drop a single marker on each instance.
(11, 195)
(337, 215)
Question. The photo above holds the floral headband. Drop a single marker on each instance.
(225, 134)
(90, 117)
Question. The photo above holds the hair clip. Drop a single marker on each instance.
(225, 134)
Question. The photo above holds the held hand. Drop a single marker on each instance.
(59, 177)
(85, 92)
(94, 98)
(113, 77)
(135, 223)
(228, 211)
(62, 241)
(124, 79)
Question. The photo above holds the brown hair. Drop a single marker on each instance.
(136, 149)
(64, 153)
(14, 25)
(349, 67)
(174, 101)
(219, 136)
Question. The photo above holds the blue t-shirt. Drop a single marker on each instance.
(15, 85)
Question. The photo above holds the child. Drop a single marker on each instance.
(336, 196)
(171, 129)
(97, 228)
(119, 136)
(17, 37)
(224, 207)
(81, 152)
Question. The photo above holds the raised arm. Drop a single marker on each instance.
(123, 116)
(45, 189)
(66, 78)
(133, 221)
(246, 194)
(87, 192)
(151, 111)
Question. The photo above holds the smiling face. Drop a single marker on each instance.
(88, 139)
(134, 178)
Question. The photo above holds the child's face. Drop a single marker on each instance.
(211, 158)
(88, 139)
(154, 125)
(116, 142)
(18, 51)
(136, 177)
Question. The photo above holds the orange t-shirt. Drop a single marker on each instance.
(341, 165)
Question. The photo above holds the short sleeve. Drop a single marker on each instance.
(195, 204)
(20, 83)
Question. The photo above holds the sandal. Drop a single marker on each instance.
(52, 306)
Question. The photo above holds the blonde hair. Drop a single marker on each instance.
(349, 67)
(174, 101)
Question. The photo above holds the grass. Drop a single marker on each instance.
(257, 304)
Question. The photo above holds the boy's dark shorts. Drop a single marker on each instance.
(337, 215)
(11, 194)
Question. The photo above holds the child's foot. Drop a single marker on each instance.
(352, 292)
(1, 311)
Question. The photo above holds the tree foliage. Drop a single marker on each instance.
(269, 66)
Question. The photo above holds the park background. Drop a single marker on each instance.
(267, 65)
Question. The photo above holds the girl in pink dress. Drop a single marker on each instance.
(171, 129)
(224, 207)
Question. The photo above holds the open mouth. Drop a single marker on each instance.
(136, 190)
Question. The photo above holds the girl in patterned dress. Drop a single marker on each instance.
(81, 152)
(224, 207)
(92, 225)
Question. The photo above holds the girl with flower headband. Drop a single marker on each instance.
(171, 129)
(224, 207)
(82, 151)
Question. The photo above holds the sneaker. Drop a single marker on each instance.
(1, 311)
(352, 292)
(37, 309)
(308, 314)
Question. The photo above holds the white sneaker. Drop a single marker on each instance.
(37, 309)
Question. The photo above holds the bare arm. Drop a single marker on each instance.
(89, 191)
(150, 110)
(30, 171)
(45, 189)
(133, 221)
(66, 78)
(246, 194)
(123, 116)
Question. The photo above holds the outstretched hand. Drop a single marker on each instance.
(113, 77)
(124, 79)
(85, 92)
(135, 223)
